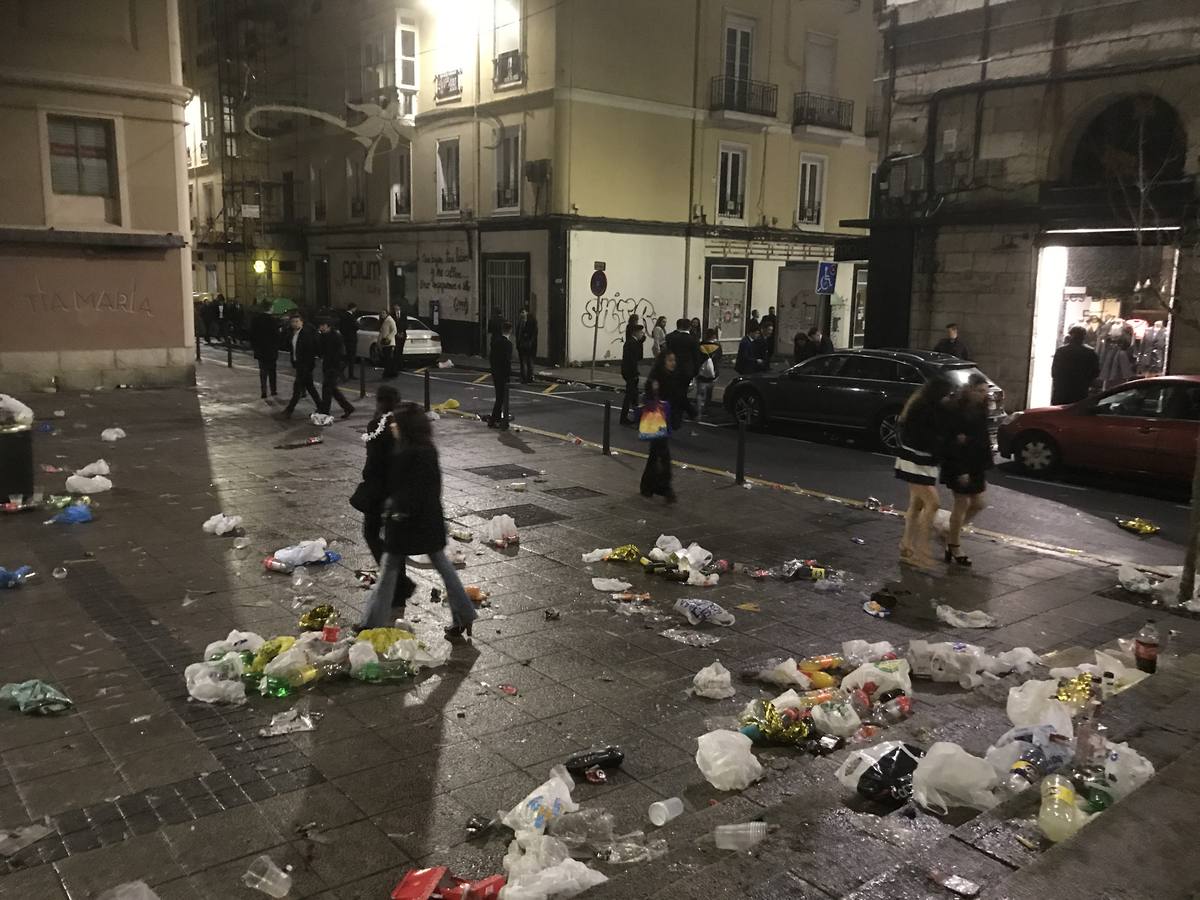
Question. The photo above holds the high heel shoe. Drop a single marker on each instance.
(958, 559)
(458, 634)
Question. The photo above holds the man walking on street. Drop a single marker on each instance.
(686, 348)
(1075, 368)
(770, 320)
(333, 352)
(631, 357)
(748, 359)
(952, 345)
(221, 317)
(348, 326)
(264, 341)
(501, 359)
(304, 347)
(527, 336)
(387, 343)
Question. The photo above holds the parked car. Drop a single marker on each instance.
(423, 343)
(862, 390)
(1147, 427)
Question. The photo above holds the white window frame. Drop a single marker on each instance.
(53, 215)
(316, 176)
(408, 92)
(724, 147)
(738, 23)
(822, 161)
(440, 183)
(510, 133)
(401, 166)
(356, 174)
(520, 48)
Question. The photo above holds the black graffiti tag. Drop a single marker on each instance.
(613, 312)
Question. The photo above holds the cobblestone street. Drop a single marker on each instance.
(139, 782)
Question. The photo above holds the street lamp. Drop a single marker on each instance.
(260, 266)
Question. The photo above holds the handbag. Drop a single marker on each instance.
(362, 499)
(655, 421)
(708, 371)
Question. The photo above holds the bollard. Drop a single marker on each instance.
(740, 475)
(607, 426)
(426, 390)
(197, 349)
(362, 379)
(228, 352)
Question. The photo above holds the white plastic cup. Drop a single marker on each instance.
(664, 811)
(740, 837)
(263, 875)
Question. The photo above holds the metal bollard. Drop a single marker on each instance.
(228, 353)
(740, 475)
(426, 390)
(362, 379)
(197, 349)
(607, 427)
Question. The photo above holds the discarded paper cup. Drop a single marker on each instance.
(263, 875)
(330, 633)
(664, 811)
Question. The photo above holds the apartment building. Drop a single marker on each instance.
(1039, 172)
(94, 262)
(474, 158)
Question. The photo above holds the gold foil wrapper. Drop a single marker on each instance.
(776, 728)
(1138, 525)
(315, 618)
(628, 553)
(1075, 692)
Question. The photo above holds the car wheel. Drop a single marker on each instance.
(887, 431)
(748, 407)
(1037, 454)
(373, 353)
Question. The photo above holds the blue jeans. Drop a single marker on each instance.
(379, 606)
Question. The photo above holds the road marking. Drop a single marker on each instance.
(1069, 487)
(551, 389)
(421, 371)
(481, 379)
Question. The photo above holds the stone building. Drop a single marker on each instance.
(1038, 171)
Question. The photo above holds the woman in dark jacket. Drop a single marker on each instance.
(413, 521)
(920, 444)
(656, 477)
(966, 457)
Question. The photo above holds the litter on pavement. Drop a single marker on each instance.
(34, 697)
(111, 435)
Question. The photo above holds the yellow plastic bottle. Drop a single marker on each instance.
(1059, 817)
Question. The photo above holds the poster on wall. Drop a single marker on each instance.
(444, 274)
(357, 276)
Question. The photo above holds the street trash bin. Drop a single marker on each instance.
(16, 461)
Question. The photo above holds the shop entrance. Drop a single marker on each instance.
(1121, 295)
(728, 304)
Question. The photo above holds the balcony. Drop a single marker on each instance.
(449, 201)
(808, 214)
(447, 85)
(872, 127)
(743, 96)
(732, 208)
(203, 153)
(509, 69)
(508, 197)
(816, 113)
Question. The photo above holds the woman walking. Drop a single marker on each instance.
(414, 523)
(967, 456)
(658, 336)
(917, 463)
(655, 427)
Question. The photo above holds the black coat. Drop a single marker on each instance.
(348, 328)
(956, 347)
(333, 351)
(307, 347)
(381, 451)
(413, 521)
(264, 335)
(966, 443)
(631, 355)
(500, 357)
(923, 430)
(527, 336)
(687, 354)
(1074, 369)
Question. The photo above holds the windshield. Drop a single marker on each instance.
(959, 376)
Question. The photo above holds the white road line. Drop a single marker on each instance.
(1053, 484)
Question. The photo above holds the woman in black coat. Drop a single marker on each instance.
(917, 457)
(414, 523)
(966, 457)
(656, 477)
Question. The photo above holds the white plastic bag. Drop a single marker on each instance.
(610, 585)
(1033, 703)
(885, 675)
(861, 759)
(221, 524)
(99, 467)
(948, 776)
(112, 434)
(598, 555)
(302, 553)
(321, 420)
(695, 557)
(1115, 675)
(130, 890)
(12, 409)
(836, 717)
(501, 531)
(361, 654)
(698, 579)
(858, 652)
(530, 853)
(784, 673)
(77, 484)
(713, 682)
(725, 759)
(566, 879)
(698, 611)
(1133, 580)
(216, 682)
(958, 618)
(237, 641)
(668, 544)
(1019, 659)
(1125, 769)
(419, 654)
(544, 804)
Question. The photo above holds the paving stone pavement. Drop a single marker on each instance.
(185, 798)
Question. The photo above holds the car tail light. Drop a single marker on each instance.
(436, 339)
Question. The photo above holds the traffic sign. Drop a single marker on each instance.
(599, 264)
(599, 283)
(826, 277)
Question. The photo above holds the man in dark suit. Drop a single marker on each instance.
(348, 327)
(686, 348)
(501, 360)
(264, 341)
(333, 353)
(1075, 369)
(527, 336)
(304, 348)
(631, 358)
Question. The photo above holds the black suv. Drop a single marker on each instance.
(857, 389)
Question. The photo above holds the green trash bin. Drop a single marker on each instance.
(16, 461)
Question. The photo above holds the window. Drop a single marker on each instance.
(316, 178)
(1146, 401)
(408, 58)
(229, 126)
(731, 182)
(812, 190)
(821, 365)
(208, 119)
(508, 169)
(869, 368)
(447, 175)
(401, 194)
(506, 42)
(356, 188)
(209, 212)
(385, 73)
(739, 41)
(81, 156)
(1186, 404)
(820, 61)
(909, 374)
(285, 265)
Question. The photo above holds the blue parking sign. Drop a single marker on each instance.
(826, 277)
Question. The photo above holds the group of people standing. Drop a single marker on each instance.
(305, 346)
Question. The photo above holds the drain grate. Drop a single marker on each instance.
(574, 493)
(504, 472)
(524, 514)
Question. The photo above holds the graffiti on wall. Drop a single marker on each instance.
(444, 273)
(612, 313)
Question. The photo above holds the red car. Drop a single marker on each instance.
(1148, 426)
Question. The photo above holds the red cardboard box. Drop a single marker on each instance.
(438, 884)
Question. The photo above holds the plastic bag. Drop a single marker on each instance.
(112, 434)
(598, 555)
(944, 661)
(882, 772)
(698, 611)
(302, 553)
(501, 531)
(362, 654)
(696, 578)
(237, 641)
(1056, 749)
(725, 759)
(12, 409)
(1019, 659)
(321, 420)
(130, 890)
(221, 524)
(948, 776)
(1134, 580)
(713, 682)
(75, 514)
(216, 682)
(78, 484)
(957, 618)
(544, 804)
(99, 467)
(695, 557)
(566, 879)
(885, 675)
(610, 584)
(35, 696)
(418, 653)
(856, 653)
(836, 717)
(1033, 703)
(784, 673)
(668, 544)
(531, 853)
(1125, 770)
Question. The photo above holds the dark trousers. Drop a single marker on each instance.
(330, 392)
(373, 533)
(385, 357)
(656, 477)
(526, 365)
(266, 376)
(303, 382)
(394, 361)
(630, 403)
(500, 407)
(351, 343)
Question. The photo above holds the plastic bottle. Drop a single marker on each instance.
(605, 757)
(1029, 767)
(663, 811)
(821, 663)
(1145, 647)
(1059, 817)
(743, 836)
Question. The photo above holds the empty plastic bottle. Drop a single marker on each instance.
(1145, 647)
(604, 757)
(743, 836)
(1059, 817)
(1029, 767)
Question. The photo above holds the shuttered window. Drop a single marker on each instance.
(81, 156)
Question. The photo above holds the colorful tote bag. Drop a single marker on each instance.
(655, 421)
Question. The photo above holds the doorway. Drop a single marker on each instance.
(727, 300)
(798, 305)
(505, 290)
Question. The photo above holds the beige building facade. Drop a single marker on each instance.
(94, 256)
(475, 158)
